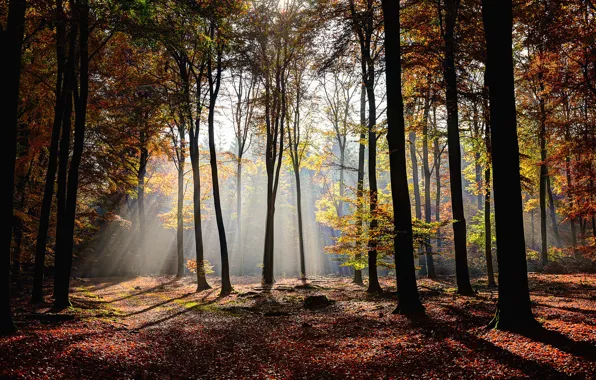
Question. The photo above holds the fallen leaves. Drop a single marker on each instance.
(155, 327)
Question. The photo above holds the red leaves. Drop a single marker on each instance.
(156, 328)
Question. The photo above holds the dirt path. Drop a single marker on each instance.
(157, 327)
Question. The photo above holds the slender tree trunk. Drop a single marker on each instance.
(214, 83)
(477, 168)
(11, 41)
(427, 176)
(409, 302)
(437, 160)
(373, 278)
(514, 310)
(543, 181)
(553, 212)
(239, 212)
(48, 194)
(61, 255)
(81, 93)
(202, 283)
(300, 230)
(143, 158)
(360, 180)
(457, 204)
(179, 216)
(417, 199)
(488, 243)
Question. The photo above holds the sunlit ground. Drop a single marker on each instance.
(159, 327)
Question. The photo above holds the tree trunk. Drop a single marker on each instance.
(543, 178)
(226, 285)
(553, 212)
(179, 216)
(239, 212)
(48, 193)
(373, 278)
(60, 256)
(409, 302)
(80, 101)
(11, 41)
(513, 309)
(488, 244)
(437, 155)
(143, 158)
(427, 175)
(360, 180)
(459, 226)
(300, 230)
(417, 200)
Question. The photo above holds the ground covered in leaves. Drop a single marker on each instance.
(159, 327)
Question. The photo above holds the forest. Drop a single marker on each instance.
(298, 189)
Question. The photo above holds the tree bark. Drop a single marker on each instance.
(180, 206)
(81, 93)
(360, 179)
(459, 226)
(437, 160)
(488, 244)
(543, 179)
(61, 255)
(48, 194)
(513, 309)
(417, 199)
(427, 177)
(409, 302)
(11, 41)
(214, 83)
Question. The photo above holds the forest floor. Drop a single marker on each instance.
(160, 328)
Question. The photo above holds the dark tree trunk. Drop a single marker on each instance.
(427, 175)
(488, 248)
(143, 158)
(226, 285)
(417, 200)
(273, 160)
(239, 212)
(194, 132)
(48, 193)
(514, 309)
(553, 212)
(488, 245)
(543, 179)
(373, 278)
(360, 180)
(459, 226)
(180, 220)
(11, 41)
(80, 93)
(437, 155)
(409, 302)
(202, 283)
(61, 255)
(300, 231)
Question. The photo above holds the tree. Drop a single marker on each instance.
(459, 225)
(246, 88)
(409, 302)
(46, 205)
(364, 23)
(214, 86)
(513, 309)
(11, 41)
(80, 93)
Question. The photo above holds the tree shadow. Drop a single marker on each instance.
(541, 334)
(429, 326)
(158, 305)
